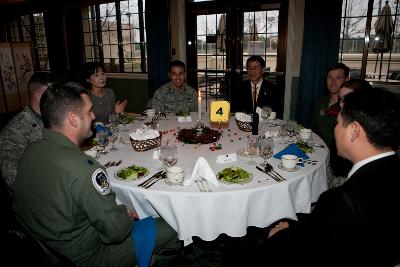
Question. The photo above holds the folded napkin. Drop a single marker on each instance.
(292, 149)
(99, 127)
(144, 237)
(272, 134)
(201, 168)
(184, 118)
(240, 116)
(144, 134)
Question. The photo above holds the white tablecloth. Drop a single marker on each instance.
(228, 209)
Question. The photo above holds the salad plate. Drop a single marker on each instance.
(234, 175)
(133, 172)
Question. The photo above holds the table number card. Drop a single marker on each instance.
(226, 158)
(219, 113)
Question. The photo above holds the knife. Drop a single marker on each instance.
(269, 174)
(155, 176)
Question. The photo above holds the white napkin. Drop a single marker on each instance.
(203, 169)
(272, 134)
(184, 118)
(144, 134)
(258, 111)
(240, 116)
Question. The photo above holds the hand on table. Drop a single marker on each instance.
(132, 214)
(277, 228)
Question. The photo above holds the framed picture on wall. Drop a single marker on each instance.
(23, 68)
(9, 78)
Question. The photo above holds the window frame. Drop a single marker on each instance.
(97, 50)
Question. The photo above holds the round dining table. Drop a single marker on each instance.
(223, 208)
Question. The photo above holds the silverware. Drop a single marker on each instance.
(200, 186)
(118, 162)
(270, 169)
(269, 174)
(160, 177)
(156, 175)
(206, 187)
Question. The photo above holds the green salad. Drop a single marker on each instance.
(234, 175)
(133, 172)
(306, 148)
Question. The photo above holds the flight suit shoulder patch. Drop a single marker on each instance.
(100, 181)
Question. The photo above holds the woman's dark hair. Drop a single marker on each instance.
(357, 84)
(88, 69)
(58, 100)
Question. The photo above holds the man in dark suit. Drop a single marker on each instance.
(267, 93)
(357, 223)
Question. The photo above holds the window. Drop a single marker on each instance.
(114, 34)
(30, 28)
(383, 58)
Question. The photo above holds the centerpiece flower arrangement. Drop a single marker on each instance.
(196, 135)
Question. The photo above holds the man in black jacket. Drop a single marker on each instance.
(355, 224)
(266, 94)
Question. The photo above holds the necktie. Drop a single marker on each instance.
(255, 94)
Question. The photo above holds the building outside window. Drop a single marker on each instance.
(114, 34)
(30, 28)
(382, 61)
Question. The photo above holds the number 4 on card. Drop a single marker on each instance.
(219, 111)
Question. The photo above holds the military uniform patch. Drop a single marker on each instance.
(100, 181)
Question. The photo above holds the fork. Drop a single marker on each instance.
(148, 181)
(205, 185)
(271, 170)
(160, 177)
(200, 186)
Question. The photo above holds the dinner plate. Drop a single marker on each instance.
(280, 166)
(130, 179)
(240, 181)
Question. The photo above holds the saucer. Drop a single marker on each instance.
(287, 170)
(173, 184)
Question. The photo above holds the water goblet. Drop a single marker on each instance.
(266, 149)
(169, 155)
(102, 140)
(123, 118)
(114, 137)
(113, 119)
(253, 149)
(265, 112)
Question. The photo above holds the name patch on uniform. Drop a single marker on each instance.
(100, 181)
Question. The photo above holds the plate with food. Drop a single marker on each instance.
(182, 114)
(234, 175)
(133, 172)
(306, 148)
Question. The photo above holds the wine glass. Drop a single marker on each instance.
(169, 155)
(253, 149)
(266, 149)
(291, 128)
(265, 112)
(114, 137)
(123, 118)
(113, 119)
(102, 140)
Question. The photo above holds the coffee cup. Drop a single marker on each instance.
(305, 134)
(290, 161)
(175, 175)
(272, 115)
(150, 112)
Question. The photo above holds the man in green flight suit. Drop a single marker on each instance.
(64, 198)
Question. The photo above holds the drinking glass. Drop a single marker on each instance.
(265, 112)
(253, 149)
(102, 140)
(169, 155)
(113, 119)
(123, 118)
(291, 128)
(114, 137)
(266, 149)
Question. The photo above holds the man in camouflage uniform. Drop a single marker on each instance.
(64, 197)
(175, 96)
(26, 127)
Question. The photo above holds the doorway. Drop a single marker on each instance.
(221, 35)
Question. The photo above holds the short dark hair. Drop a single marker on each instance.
(339, 66)
(58, 100)
(39, 79)
(90, 68)
(378, 112)
(256, 58)
(357, 84)
(176, 63)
